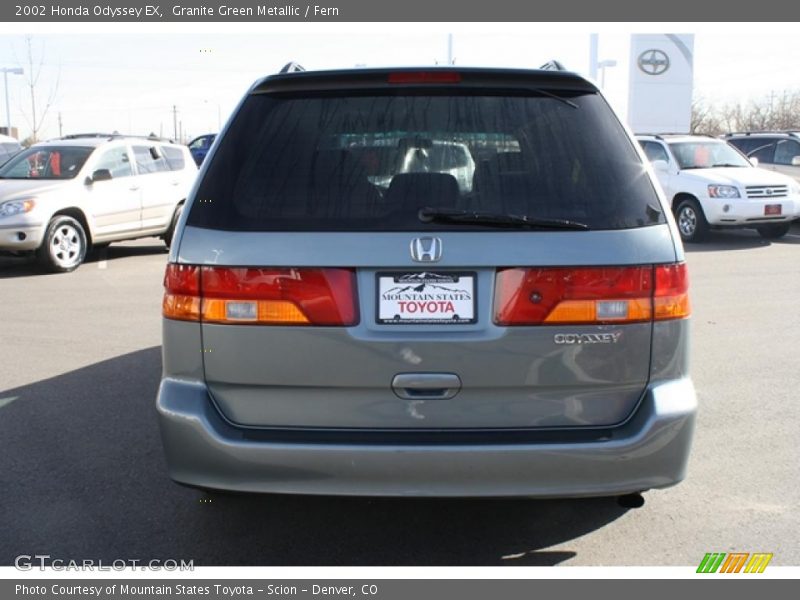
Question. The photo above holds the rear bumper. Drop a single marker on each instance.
(650, 450)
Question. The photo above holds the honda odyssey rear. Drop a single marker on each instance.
(439, 282)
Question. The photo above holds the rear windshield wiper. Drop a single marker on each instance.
(448, 215)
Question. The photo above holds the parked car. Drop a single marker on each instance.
(9, 146)
(200, 146)
(777, 151)
(324, 333)
(711, 185)
(59, 198)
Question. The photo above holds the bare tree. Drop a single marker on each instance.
(704, 118)
(778, 111)
(35, 119)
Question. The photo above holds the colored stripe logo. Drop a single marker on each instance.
(735, 562)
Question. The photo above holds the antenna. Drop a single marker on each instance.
(552, 65)
(292, 67)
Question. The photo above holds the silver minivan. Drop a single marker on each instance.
(327, 333)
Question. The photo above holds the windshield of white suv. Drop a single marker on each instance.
(46, 162)
(706, 154)
(370, 162)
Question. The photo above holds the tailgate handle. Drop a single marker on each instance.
(426, 386)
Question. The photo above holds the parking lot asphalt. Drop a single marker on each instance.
(82, 474)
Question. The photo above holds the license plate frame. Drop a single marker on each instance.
(442, 288)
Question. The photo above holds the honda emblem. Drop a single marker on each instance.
(427, 249)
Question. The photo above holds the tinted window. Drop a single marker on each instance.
(761, 148)
(46, 162)
(655, 151)
(149, 159)
(368, 162)
(786, 150)
(117, 161)
(174, 157)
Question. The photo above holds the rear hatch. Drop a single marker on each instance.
(425, 250)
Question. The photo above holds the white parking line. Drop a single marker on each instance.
(103, 264)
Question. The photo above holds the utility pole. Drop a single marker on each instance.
(60, 133)
(174, 122)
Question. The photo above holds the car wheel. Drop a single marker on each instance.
(773, 231)
(692, 223)
(171, 231)
(64, 245)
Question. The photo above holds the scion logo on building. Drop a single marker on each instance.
(736, 562)
(653, 62)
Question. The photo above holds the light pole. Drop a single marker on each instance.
(219, 112)
(602, 66)
(6, 71)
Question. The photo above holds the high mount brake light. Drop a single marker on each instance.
(590, 295)
(425, 77)
(243, 295)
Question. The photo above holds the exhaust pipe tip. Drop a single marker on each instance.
(635, 500)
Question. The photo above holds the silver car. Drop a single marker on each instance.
(526, 335)
(60, 198)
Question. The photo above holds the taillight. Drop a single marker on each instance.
(671, 297)
(182, 292)
(590, 295)
(243, 295)
(412, 77)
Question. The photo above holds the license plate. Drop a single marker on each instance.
(772, 209)
(426, 298)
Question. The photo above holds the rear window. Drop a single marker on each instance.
(174, 157)
(372, 161)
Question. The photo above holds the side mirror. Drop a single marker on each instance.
(753, 161)
(796, 161)
(100, 175)
(661, 166)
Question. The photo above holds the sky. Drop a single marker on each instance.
(138, 81)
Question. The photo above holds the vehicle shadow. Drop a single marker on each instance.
(84, 477)
(739, 239)
(26, 266)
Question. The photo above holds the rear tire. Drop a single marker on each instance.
(171, 231)
(691, 221)
(64, 246)
(773, 231)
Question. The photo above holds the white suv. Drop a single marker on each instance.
(709, 184)
(62, 197)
